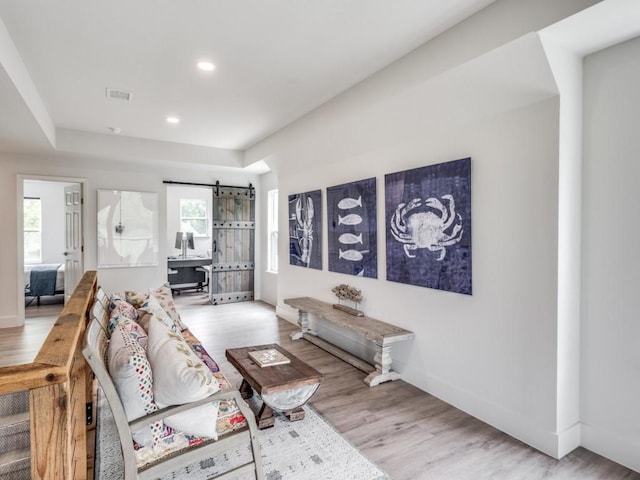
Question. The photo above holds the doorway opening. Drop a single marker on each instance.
(50, 243)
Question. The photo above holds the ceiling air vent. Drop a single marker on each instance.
(119, 94)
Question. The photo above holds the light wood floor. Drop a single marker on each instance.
(19, 345)
(407, 432)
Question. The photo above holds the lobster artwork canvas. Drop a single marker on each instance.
(352, 228)
(428, 226)
(305, 229)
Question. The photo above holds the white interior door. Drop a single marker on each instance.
(73, 266)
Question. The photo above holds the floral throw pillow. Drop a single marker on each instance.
(179, 375)
(152, 308)
(136, 298)
(165, 298)
(118, 306)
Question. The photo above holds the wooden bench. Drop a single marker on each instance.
(382, 335)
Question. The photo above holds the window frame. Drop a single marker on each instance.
(26, 230)
(206, 217)
(272, 231)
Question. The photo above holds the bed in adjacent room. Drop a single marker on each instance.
(43, 279)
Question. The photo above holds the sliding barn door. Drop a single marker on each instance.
(233, 244)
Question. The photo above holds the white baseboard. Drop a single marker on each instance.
(10, 321)
(287, 313)
(516, 424)
(611, 446)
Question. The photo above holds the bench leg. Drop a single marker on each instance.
(303, 321)
(383, 372)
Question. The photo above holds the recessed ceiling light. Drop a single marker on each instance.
(206, 66)
(173, 120)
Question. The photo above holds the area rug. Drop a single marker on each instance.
(308, 449)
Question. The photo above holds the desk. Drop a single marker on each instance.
(188, 273)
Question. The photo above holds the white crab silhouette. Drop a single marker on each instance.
(427, 229)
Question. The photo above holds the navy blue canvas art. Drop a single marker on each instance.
(352, 235)
(428, 226)
(305, 229)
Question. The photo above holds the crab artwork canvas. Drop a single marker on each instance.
(428, 226)
(352, 228)
(305, 229)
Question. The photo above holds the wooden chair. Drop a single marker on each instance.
(95, 350)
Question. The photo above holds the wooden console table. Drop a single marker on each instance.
(382, 335)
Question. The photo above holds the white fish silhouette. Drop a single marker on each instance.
(351, 219)
(349, 238)
(351, 255)
(347, 203)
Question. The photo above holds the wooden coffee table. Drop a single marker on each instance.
(282, 387)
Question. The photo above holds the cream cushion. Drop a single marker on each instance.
(200, 421)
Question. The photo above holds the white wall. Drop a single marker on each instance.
(51, 195)
(610, 378)
(483, 89)
(99, 174)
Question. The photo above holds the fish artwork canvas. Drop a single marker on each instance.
(428, 226)
(305, 229)
(352, 229)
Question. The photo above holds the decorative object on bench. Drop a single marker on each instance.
(284, 387)
(186, 410)
(346, 292)
(382, 335)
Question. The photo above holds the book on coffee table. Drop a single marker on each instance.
(268, 357)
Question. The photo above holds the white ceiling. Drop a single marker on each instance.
(275, 61)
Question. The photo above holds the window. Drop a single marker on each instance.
(193, 217)
(32, 230)
(272, 226)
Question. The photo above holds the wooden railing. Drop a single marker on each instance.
(61, 394)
